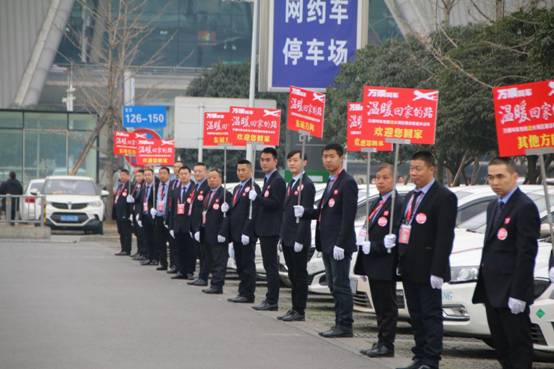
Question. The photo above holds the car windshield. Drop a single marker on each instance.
(69, 187)
(35, 186)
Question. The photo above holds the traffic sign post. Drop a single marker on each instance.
(396, 143)
(368, 151)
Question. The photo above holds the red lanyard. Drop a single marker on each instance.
(376, 210)
(415, 200)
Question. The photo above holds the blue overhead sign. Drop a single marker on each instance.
(144, 116)
(310, 39)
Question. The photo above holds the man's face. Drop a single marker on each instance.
(267, 162)
(139, 177)
(199, 173)
(384, 180)
(296, 164)
(123, 176)
(244, 172)
(178, 165)
(421, 172)
(331, 160)
(501, 180)
(214, 179)
(148, 176)
(184, 176)
(164, 175)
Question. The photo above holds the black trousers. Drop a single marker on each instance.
(149, 238)
(161, 234)
(271, 266)
(204, 272)
(383, 294)
(139, 234)
(125, 231)
(183, 253)
(245, 256)
(338, 278)
(217, 256)
(298, 275)
(172, 251)
(511, 334)
(425, 308)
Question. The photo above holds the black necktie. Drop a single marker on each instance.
(497, 213)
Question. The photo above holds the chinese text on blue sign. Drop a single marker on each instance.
(144, 116)
(311, 39)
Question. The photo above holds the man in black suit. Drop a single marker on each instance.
(195, 212)
(335, 236)
(121, 213)
(179, 225)
(212, 231)
(147, 216)
(240, 229)
(296, 234)
(505, 282)
(267, 225)
(379, 263)
(425, 241)
(173, 183)
(161, 233)
(134, 199)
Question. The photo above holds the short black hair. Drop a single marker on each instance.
(123, 170)
(199, 164)
(12, 175)
(184, 167)
(270, 150)
(164, 168)
(244, 161)
(334, 146)
(385, 166)
(140, 171)
(509, 163)
(299, 152)
(425, 156)
(217, 170)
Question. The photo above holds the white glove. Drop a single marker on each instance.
(366, 247)
(197, 236)
(298, 211)
(280, 246)
(130, 199)
(139, 223)
(252, 195)
(231, 251)
(436, 282)
(516, 306)
(552, 275)
(338, 253)
(166, 226)
(390, 241)
(220, 238)
(172, 233)
(191, 235)
(245, 239)
(153, 212)
(225, 207)
(298, 247)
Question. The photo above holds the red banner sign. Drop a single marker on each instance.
(155, 152)
(524, 117)
(216, 129)
(306, 111)
(124, 143)
(402, 113)
(358, 133)
(255, 125)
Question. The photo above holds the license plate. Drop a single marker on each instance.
(69, 218)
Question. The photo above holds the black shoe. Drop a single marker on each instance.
(241, 300)
(135, 255)
(172, 270)
(295, 316)
(147, 262)
(213, 291)
(426, 367)
(337, 332)
(121, 253)
(266, 306)
(413, 365)
(161, 267)
(190, 276)
(286, 314)
(378, 351)
(179, 276)
(198, 282)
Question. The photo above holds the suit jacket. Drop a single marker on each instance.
(270, 206)
(509, 252)
(121, 208)
(432, 236)
(180, 223)
(291, 231)
(214, 217)
(197, 202)
(237, 223)
(335, 215)
(147, 200)
(136, 206)
(173, 184)
(379, 264)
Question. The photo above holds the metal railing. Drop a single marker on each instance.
(23, 209)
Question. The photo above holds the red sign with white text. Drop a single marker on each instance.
(124, 143)
(255, 125)
(524, 117)
(155, 152)
(306, 111)
(216, 128)
(358, 133)
(402, 113)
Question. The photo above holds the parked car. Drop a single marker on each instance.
(74, 203)
(29, 209)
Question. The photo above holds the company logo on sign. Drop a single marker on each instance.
(512, 93)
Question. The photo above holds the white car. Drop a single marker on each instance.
(29, 208)
(74, 203)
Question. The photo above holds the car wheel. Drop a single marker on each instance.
(488, 341)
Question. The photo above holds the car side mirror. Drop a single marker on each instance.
(104, 193)
(34, 192)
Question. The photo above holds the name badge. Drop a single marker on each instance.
(180, 209)
(404, 234)
(145, 207)
(204, 216)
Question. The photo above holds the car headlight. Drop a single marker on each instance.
(464, 274)
(96, 204)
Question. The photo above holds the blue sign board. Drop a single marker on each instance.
(144, 116)
(310, 40)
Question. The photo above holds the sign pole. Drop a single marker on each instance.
(224, 176)
(303, 137)
(368, 150)
(253, 178)
(396, 144)
(540, 153)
